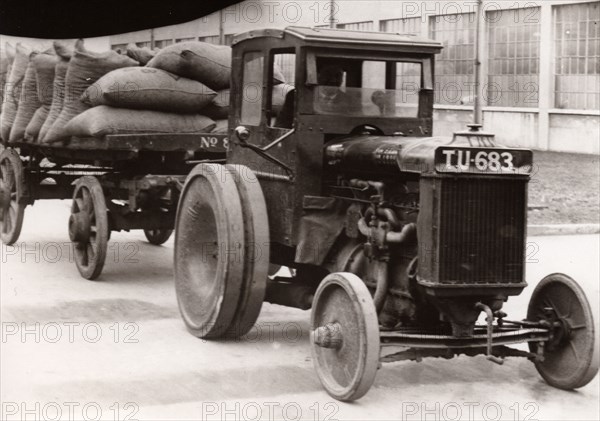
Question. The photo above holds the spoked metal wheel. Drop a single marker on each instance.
(88, 227)
(209, 240)
(256, 252)
(158, 236)
(344, 336)
(571, 356)
(11, 191)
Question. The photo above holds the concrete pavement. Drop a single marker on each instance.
(117, 349)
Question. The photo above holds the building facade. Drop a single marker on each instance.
(540, 60)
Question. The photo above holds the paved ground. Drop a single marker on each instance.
(117, 349)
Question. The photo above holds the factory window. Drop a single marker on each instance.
(454, 66)
(514, 57)
(213, 39)
(163, 43)
(185, 39)
(577, 56)
(119, 47)
(143, 44)
(356, 26)
(409, 26)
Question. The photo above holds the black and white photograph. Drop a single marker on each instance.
(307, 210)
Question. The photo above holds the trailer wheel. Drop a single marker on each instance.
(256, 253)
(209, 241)
(12, 210)
(158, 236)
(344, 336)
(571, 356)
(88, 227)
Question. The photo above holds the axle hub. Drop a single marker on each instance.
(80, 227)
(328, 336)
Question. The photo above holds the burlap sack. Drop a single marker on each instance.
(218, 109)
(32, 130)
(85, 68)
(12, 90)
(221, 127)
(28, 103)
(44, 65)
(7, 55)
(63, 49)
(207, 63)
(58, 96)
(103, 120)
(142, 55)
(149, 89)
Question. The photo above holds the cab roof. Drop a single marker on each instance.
(321, 36)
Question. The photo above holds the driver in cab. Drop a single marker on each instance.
(330, 98)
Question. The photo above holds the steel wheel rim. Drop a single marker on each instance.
(256, 255)
(209, 226)
(90, 254)
(571, 359)
(348, 372)
(11, 220)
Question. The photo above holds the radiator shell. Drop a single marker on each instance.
(472, 235)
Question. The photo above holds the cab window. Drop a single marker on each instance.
(362, 87)
(281, 107)
(252, 88)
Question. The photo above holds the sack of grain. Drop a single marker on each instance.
(7, 55)
(28, 103)
(12, 90)
(142, 55)
(44, 65)
(149, 89)
(103, 120)
(221, 127)
(32, 130)
(58, 96)
(207, 63)
(218, 109)
(63, 49)
(85, 68)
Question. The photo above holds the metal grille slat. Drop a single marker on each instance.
(481, 233)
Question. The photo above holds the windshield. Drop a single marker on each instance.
(358, 87)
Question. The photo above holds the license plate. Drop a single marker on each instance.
(483, 160)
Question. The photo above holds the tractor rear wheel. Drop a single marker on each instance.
(209, 240)
(256, 252)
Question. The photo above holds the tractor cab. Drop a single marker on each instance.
(337, 83)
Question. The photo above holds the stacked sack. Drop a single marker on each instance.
(84, 69)
(211, 65)
(64, 92)
(12, 90)
(7, 55)
(152, 99)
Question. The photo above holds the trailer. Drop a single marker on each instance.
(116, 183)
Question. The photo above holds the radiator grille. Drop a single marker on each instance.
(481, 231)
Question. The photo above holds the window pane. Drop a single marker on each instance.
(252, 88)
(514, 80)
(454, 67)
(576, 58)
